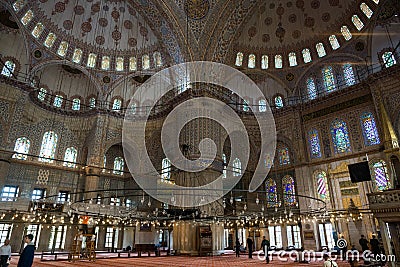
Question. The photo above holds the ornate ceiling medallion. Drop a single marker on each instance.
(197, 9)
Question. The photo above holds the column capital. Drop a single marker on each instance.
(92, 171)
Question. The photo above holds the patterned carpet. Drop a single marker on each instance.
(181, 261)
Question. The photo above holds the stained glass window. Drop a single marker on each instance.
(91, 62)
(370, 132)
(322, 185)
(77, 56)
(105, 63)
(237, 167)
(289, 191)
(119, 64)
(42, 94)
(37, 31)
(48, 148)
(320, 49)
(166, 169)
(278, 101)
(366, 10)
(262, 105)
(62, 49)
(283, 156)
(272, 194)
(8, 68)
(18, 5)
(70, 157)
(381, 176)
(133, 108)
(50, 39)
(132, 64)
(264, 62)
(334, 42)
(346, 33)
(357, 22)
(311, 88)
(252, 61)
(349, 74)
(157, 59)
(76, 104)
(329, 80)
(388, 59)
(292, 59)
(22, 146)
(278, 61)
(224, 166)
(117, 104)
(306, 55)
(58, 100)
(92, 102)
(239, 59)
(315, 145)
(340, 136)
(118, 166)
(146, 62)
(245, 105)
(27, 17)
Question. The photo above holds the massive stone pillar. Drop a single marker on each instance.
(91, 181)
(5, 157)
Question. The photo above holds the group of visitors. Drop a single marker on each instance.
(265, 246)
(26, 257)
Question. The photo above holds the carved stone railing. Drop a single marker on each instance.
(385, 202)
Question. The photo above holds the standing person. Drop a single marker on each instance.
(363, 243)
(375, 246)
(5, 253)
(26, 258)
(237, 247)
(250, 247)
(329, 262)
(265, 247)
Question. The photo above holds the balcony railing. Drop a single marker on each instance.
(384, 201)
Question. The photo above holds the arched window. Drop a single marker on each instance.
(292, 59)
(166, 169)
(37, 31)
(334, 42)
(340, 136)
(157, 59)
(224, 165)
(18, 5)
(278, 61)
(289, 191)
(62, 49)
(366, 10)
(322, 185)
(27, 17)
(237, 167)
(272, 194)
(306, 55)
(77, 56)
(76, 104)
(58, 100)
(22, 146)
(133, 108)
(381, 176)
(311, 89)
(278, 101)
(145, 62)
(320, 49)
(357, 22)
(329, 80)
(283, 156)
(8, 68)
(348, 74)
(118, 166)
(388, 59)
(269, 160)
(262, 105)
(132, 64)
(105, 63)
(264, 62)
(42, 94)
(50, 39)
(119, 64)
(48, 148)
(370, 132)
(70, 157)
(246, 105)
(91, 61)
(315, 145)
(92, 102)
(346, 32)
(117, 104)
(239, 59)
(252, 61)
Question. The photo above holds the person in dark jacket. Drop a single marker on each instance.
(26, 258)
(250, 247)
(265, 247)
(363, 243)
(375, 246)
(237, 247)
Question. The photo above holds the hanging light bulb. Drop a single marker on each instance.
(245, 207)
(257, 200)
(231, 200)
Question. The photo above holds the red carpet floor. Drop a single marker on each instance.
(181, 261)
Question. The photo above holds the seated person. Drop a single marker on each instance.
(242, 248)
